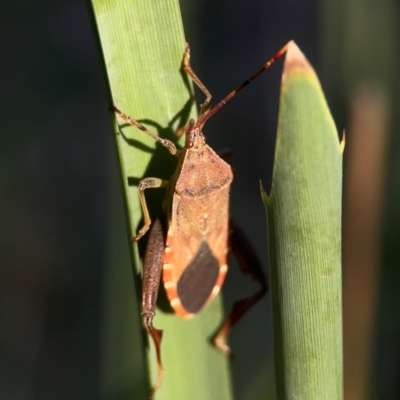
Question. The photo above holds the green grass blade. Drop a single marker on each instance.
(304, 219)
(142, 44)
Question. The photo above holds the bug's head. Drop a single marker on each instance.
(194, 137)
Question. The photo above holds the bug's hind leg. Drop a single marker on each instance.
(249, 264)
(151, 282)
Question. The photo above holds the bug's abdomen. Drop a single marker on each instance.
(197, 285)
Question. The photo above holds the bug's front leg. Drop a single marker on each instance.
(188, 69)
(249, 264)
(151, 282)
(164, 142)
(147, 183)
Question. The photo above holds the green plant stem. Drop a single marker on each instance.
(304, 219)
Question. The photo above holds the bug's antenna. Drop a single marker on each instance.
(210, 113)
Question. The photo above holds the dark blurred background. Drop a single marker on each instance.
(59, 184)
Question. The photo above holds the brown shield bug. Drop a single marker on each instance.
(190, 243)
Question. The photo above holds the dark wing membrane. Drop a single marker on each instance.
(198, 279)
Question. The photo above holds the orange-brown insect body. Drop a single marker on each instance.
(196, 205)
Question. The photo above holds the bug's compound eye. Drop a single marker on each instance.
(191, 141)
(194, 139)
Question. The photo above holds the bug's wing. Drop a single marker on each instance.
(198, 279)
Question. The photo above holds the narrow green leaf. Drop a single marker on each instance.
(142, 44)
(304, 219)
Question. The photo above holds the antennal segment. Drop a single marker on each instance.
(210, 113)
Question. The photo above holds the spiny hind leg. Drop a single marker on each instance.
(151, 282)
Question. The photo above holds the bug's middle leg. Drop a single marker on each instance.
(249, 264)
(147, 183)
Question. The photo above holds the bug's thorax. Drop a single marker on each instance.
(202, 172)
